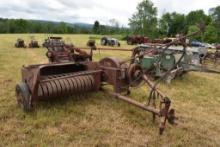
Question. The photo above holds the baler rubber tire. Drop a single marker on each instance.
(23, 93)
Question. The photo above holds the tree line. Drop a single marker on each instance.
(145, 22)
(30, 26)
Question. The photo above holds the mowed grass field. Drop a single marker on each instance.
(97, 119)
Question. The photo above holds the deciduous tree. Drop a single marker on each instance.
(144, 21)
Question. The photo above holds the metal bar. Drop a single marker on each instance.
(109, 49)
(135, 103)
(175, 70)
(152, 85)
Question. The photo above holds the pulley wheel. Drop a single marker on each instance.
(134, 74)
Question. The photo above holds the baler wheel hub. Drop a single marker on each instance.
(135, 75)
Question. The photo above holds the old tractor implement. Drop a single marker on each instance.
(106, 41)
(212, 56)
(167, 61)
(53, 41)
(33, 43)
(133, 40)
(59, 52)
(58, 80)
(20, 43)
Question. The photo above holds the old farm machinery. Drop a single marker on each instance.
(106, 41)
(33, 43)
(58, 80)
(212, 56)
(133, 40)
(53, 41)
(168, 61)
(60, 52)
(20, 43)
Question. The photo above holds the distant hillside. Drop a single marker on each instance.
(78, 24)
(44, 26)
(83, 25)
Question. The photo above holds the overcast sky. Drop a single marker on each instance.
(90, 10)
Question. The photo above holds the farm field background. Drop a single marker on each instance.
(97, 119)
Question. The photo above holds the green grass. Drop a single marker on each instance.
(99, 120)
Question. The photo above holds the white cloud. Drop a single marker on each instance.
(184, 6)
(91, 10)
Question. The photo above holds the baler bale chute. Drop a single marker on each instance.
(59, 80)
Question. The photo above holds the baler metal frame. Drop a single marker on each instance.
(88, 76)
